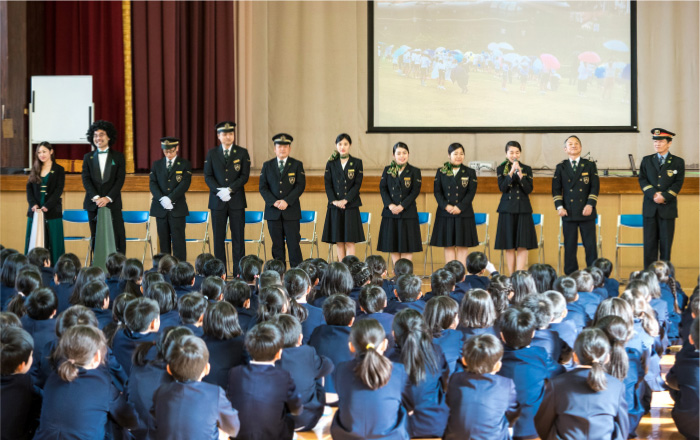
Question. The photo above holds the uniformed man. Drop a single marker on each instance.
(575, 189)
(661, 178)
(170, 180)
(226, 171)
(282, 181)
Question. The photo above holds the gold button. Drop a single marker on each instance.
(168, 189)
(226, 180)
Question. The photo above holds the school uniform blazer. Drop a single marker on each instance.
(482, 406)
(344, 184)
(20, 406)
(470, 332)
(143, 383)
(590, 302)
(307, 370)
(395, 307)
(42, 331)
(667, 179)
(114, 291)
(172, 184)
(572, 410)
(125, 342)
(477, 281)
(266, 399)
(451, 342)
(233, 174)
(104, 317)
(313, 319)
(515, 198)
(79, 409)
(184, 290)
(63, 293)
(576, 313)
(193, 410)
(247, 318)
(371, 414)
(550, 341)
(566, 331)
(683, 377)
(109, 184)
(332, 341)
(224, 354)
(401, 190)
(458, 190)
(574, 190)
(54, 191)
(288, 186)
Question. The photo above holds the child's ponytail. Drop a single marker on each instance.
(417, 351)
(17, 305)
(374, 370)
(592, 348)
(617, 332)
(77, 348)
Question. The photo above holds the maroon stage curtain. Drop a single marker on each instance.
(85, 38)
(183, 76)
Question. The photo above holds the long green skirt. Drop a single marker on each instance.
(53, 238)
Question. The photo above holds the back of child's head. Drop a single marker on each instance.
(339, 310)
(166, 338)
(597, 275)
(584, 281)
(166, 264)
(366, 337)
(567, 287)
(336, 280)
(593, 349)
(372, 299)
(311, 271)
(500, 288)
(16, 346)
(182, 274)
(349, 260)
(477, 309)
(417, 351)
(191, 307)
(39, 257)
(664, 274)
(615, 307)
(618, 333)
(517, 326)
(236, 293)
(77, 348)
(139, 314)
(695, 332)
(649, 278)
(290, 327)
(297, 283)
(156, 260)
(10, 268)
(642, 310)
(377, 266)
(361, 274)
(115, 263)
(482, 353)
(118, 309)
(164, 295)
(131, 276)
(66, 271)
(214, 268)
(558, 303)
(93, 294)
(476, 262)
(639, 287)
(273, 301)
(250, 268)
(321, 265)
(150, 278)
(523, 285)
(403, 266)
(605, 265)
(408, 288)
(264, 341)
(269, 278)
(41, 304)
(9, 319)
(4, 253)
(73, 258)
(541, 307)
(187, 358)
(72, 316)
(442, 282)
(28, 282)
(212, 287)
(221, 321)
(200, 261)
(440, 314)
(543, 275)
(275, 265)
(457, 269)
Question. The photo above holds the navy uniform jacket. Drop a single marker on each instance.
(572, 410)
(20, 406)
(108, 185)
(683, 377)
(451, 343)
(170, 319)
(54, 191)
(575, 190)
(332, 341)
(114, 291)
(79, 409)
(576, 312)
(470, 332)
(193, 410)
(142, 385)
(173, 184)
(266, 399)
(401, 190)
(478, 281)
(550, 341)
(63, 293)
(313, 319)
(394, 307)
(287, 186)
(386, 320)
(613, 287)
(184, 290)
(566, 330)
(307, 369)
(458, 190)
(515, 198)
(344, 184)
(247, 318)
(104, 317)
(371, 414)
(47, 274)
(667, 179)
(234, 175)
(224, 355)
(125, 342)
(482, 406)
(43, 332)
(590, 302)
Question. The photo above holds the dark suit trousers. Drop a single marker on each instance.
(236, 219)
(172, 229)
(588, 238)
(658, 238)
(117, 226)
(289, 230)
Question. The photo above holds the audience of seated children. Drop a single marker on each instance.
(207, 409)
(611, 284)
(336, 280)
(64, 281)
(372, 302)
(114, 264)
(191, 308)
(441, 317)
(41, 258)
(682, 379)
(182, 279)
(477, 315)
(225, 342)
(237, 293)
(265, 396)
(408, 292)
(482, 404)
(298, 286)
(575, 311)
(442, 283)
(141, 324)
(95, 296)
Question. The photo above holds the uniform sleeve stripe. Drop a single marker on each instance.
(647, 187)
(672, 193)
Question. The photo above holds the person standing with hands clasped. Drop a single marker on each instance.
(575, 189)
(661, 178)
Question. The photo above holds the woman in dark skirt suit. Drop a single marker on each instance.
(455, 188)
(343, 179)
(516, 230)
(44, 191)
(399, 232)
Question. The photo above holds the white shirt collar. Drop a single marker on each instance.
(262, 363)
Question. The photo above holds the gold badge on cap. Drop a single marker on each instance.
(657, 132)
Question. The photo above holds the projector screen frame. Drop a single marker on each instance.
(632, 128)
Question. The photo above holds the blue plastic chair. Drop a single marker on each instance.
(306, 218)
(140, 218)
(482, 219)
(252, 218)
(199, 218)
(78, 216)
(631, 221)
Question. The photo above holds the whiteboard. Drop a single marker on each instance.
(61, 109)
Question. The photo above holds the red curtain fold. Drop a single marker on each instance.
(183, 76)
(85, 38)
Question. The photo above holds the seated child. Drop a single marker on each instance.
(372, 302)
(377, 266)
(164, 295)
(298, 285)
(575, 311)
(199, 263)
(683, 378)
(64, 281)
(41, 258)
(407, 292)
(461, 285)
(611, 284)
(442, 283)
(213, 288)
(182, 278)
(225, 342)
(237, 293)
(191, 308)
(142, 321)
(361, 276)
(598, 282)
(39, 321)
(477, 315)
(402, 266)
(545, 337)
(441, 318)
(478, 266)
(565, 329)
(115, 264)
(586, 297)
(95, 296)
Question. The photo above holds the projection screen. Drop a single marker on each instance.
(498, 66)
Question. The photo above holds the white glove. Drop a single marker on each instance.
(490, 268)
(166, 203)
(225, 197)
(223, 193)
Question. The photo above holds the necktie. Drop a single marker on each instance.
(226, 153)
(170, 165)
(661, 161)
(573, 165)
(281, 166)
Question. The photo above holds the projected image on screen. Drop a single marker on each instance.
(498, 65)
